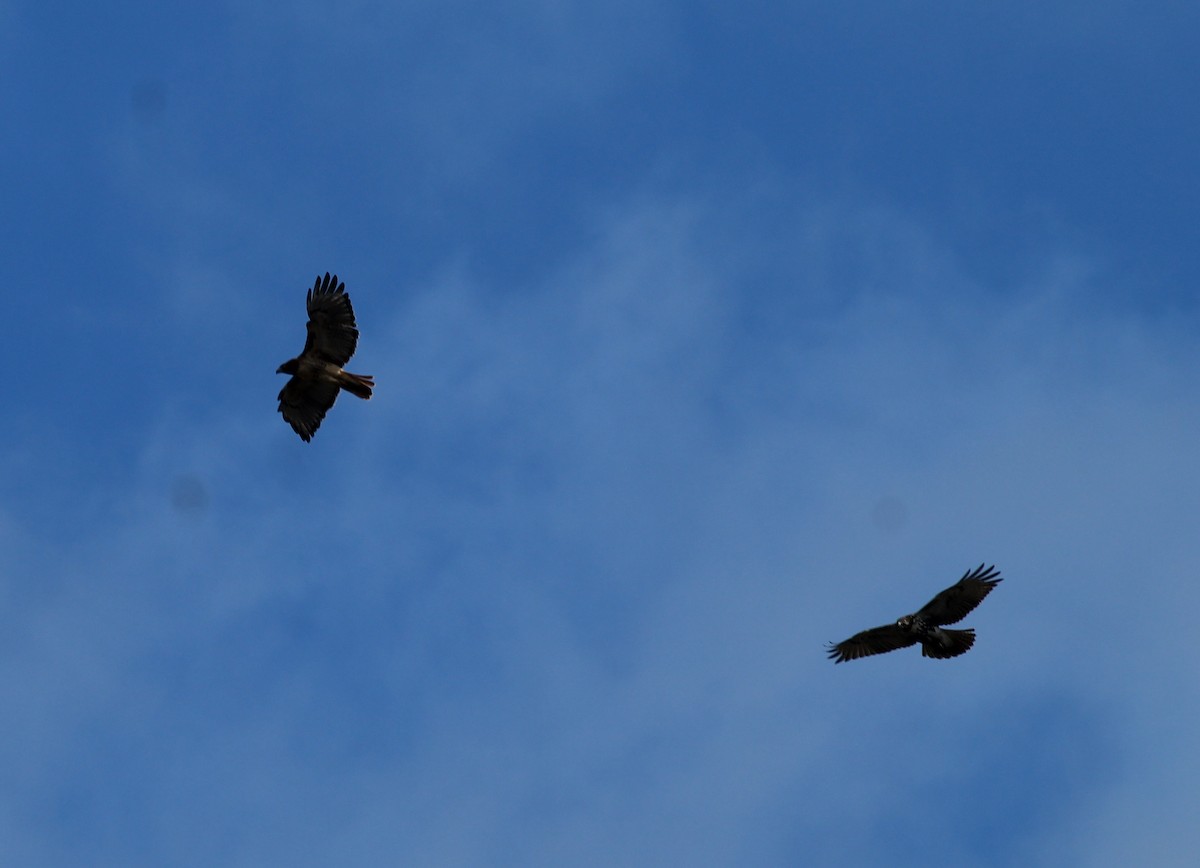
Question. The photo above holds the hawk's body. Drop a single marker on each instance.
(317, 374)
(925, 626)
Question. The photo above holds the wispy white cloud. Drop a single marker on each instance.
(575, 564)
(557, 595)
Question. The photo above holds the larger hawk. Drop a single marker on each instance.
(925, 625)
(317, 373)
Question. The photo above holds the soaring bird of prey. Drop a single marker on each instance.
(317, 373)
(925, 625)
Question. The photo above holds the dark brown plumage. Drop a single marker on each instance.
(925, 625)
(317, 373)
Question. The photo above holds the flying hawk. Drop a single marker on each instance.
(925, 625)
(317, 373)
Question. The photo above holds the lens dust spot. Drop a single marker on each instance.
(189, 496)
(889, 515)
(148, 99)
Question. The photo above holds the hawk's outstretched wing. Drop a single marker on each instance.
(332, 333)
(304, 404)
(953, 604)
(875, 641)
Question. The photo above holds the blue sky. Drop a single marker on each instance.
(703, 333)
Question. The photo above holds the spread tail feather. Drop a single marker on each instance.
(958, 642)
(358, 385)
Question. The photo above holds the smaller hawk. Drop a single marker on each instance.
(925, 625)
(317, 374)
